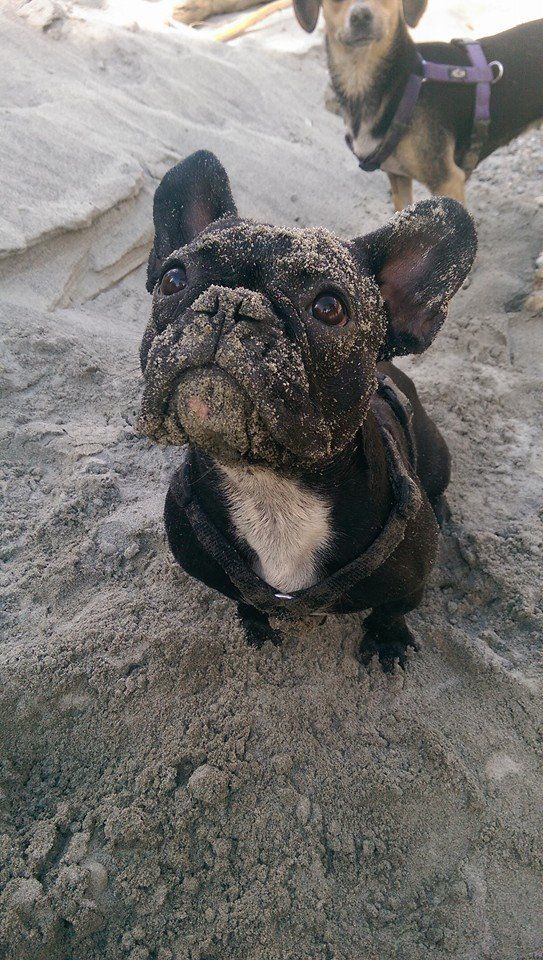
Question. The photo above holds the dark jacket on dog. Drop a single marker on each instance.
(266, 350)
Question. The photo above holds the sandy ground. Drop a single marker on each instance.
(167, 793)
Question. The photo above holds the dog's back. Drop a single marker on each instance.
(517, 103)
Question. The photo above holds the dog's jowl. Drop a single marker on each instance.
(313, 479)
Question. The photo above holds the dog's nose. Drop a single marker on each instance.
(235, 303)
(360, 20)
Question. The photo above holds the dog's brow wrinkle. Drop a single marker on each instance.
(313, 252)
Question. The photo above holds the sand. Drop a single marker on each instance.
(167, 793)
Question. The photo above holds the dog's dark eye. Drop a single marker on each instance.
(328, 308)
(173, 281)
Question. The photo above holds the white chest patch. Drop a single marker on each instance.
(287, 526)
(365, 143)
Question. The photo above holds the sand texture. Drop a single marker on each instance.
(166, 792)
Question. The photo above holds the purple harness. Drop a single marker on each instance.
(480, 73)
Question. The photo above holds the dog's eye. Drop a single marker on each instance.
(328, 308)
(173, 281)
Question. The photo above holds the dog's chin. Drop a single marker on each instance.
(357, 43)
(216, 415)
(209, 409)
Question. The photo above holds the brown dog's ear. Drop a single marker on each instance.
(419, 260)
(193, 194)
(307, 13)
(413, 11)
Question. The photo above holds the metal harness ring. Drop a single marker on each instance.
(499, 70)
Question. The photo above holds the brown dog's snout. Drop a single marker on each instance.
(360, 18)
(361, 21)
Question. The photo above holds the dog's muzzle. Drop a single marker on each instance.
(188, 394)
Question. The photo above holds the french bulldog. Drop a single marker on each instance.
(312, 481)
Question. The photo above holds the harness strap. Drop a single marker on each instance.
(400, 124)
(481, 114)
(319, 597)
(480, 72)
(403, 411)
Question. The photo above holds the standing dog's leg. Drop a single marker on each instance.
(452, 181)
(402, 190)
(453, 186)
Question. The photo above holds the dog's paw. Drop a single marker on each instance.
(441, 508)
(389, 645)
(257, 627)
(534, 303)
(258, 634)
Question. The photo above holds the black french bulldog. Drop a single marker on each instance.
(313, 477)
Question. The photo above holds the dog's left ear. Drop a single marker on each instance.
(307, 13)
(413, 11)
(419, 259)
(193, 194)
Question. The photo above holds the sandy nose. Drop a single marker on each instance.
(198, 408)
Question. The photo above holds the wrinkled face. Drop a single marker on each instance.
(262, 345)
(263, 342)
(358, 23)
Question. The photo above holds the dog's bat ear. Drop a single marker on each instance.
(193, 194)
(419, 259)
(307, 13)
(413, 11)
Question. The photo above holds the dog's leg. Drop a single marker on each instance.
(402, 190)
(257, 626)
(441, 508)
(452, 185)
(387, 634)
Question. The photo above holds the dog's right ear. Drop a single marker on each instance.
(419, 259)
(307, 13)
(413, 11)
(193, 194)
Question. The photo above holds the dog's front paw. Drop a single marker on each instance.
(257, 627)
(390, 643)
(193, 11)
(259, 633)
(441, 508)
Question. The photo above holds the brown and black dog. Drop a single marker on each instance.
(307, 486)
(370, 57)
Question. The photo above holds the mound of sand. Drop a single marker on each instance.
(167, 793)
